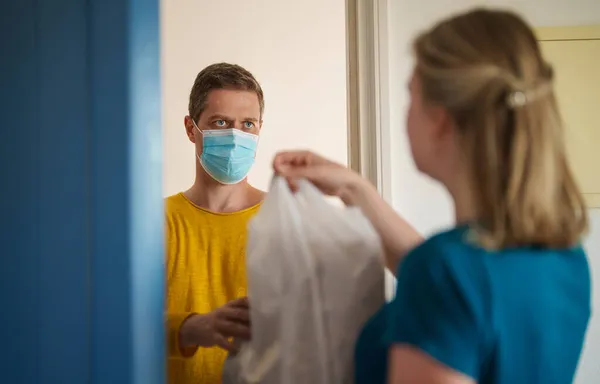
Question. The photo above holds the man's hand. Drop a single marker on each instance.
(217, 327)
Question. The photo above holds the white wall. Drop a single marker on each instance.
(296, 50)
(423, 202)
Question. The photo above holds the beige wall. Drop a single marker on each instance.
(424, 202)
(297, 51)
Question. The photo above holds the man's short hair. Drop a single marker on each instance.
(221, 76)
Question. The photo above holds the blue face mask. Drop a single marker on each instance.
(227, 154)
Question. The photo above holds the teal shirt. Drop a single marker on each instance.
(515, 316)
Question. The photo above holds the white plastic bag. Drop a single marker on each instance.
(315, 275)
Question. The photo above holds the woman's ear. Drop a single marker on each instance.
(441, 121)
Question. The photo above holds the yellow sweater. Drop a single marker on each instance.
(206, 268)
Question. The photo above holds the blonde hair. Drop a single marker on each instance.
(485, 67)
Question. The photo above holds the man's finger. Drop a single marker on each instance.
(241, 302)
(235, 329)
(239, 314)
(222, 342)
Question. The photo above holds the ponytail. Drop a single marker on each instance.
(486, 69)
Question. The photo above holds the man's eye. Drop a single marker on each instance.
(248, 125)
(220, 123)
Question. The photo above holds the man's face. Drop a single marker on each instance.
(226, 108)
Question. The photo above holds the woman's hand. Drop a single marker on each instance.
(397, 236)
(331, 178)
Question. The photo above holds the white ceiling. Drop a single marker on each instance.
(554, 12)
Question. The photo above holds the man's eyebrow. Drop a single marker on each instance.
(253, 119)
(220, 116)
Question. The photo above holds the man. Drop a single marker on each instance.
(206, 225)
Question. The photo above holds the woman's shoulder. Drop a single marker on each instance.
(449, 262)
(448, 246)
(459, 245)
(454, 257)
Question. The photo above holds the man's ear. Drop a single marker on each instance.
(190, 129)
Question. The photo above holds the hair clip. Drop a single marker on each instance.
(516, 99)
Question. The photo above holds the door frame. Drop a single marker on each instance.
(369, 134)
(368, 92)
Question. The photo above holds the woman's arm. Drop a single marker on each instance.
(408, 365)
(397, 235)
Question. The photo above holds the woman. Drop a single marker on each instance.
(504, 297)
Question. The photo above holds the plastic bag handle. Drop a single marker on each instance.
(308, 195)
(279, 193)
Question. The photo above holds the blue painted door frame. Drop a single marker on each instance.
(81, 256)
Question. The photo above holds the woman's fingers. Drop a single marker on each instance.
(297, 159)
(326, 175)
(312, 174)
(288, 159)
(327, 178)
